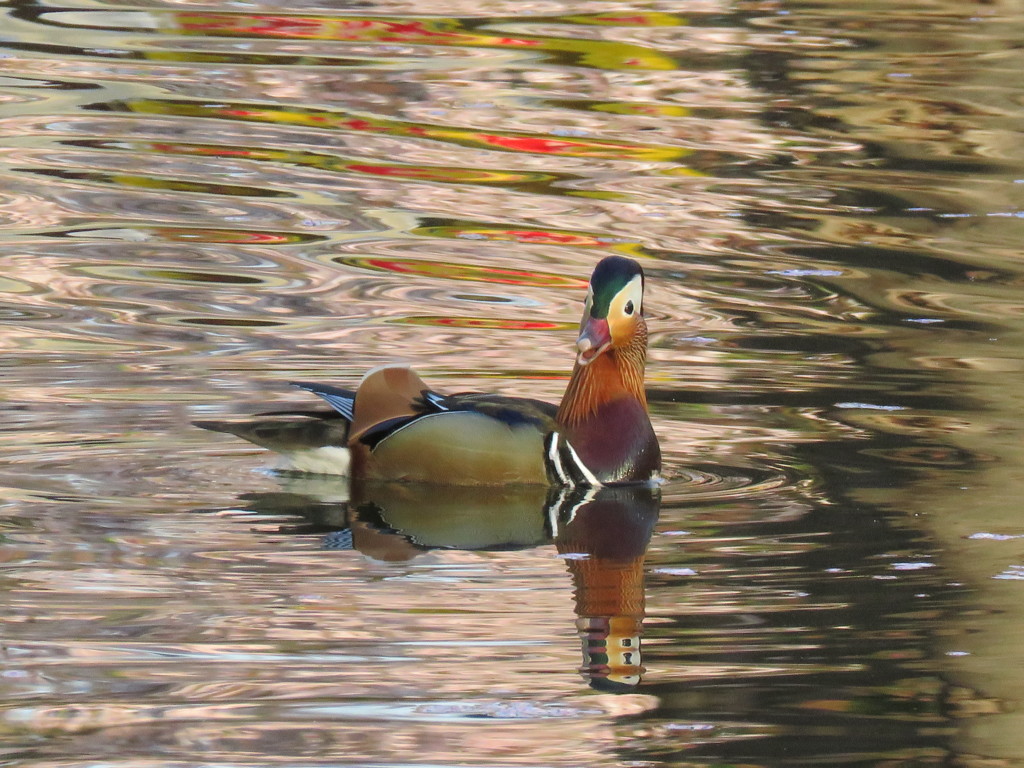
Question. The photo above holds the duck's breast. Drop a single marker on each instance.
(617, 443)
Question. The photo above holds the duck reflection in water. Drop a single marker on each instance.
(602, 533)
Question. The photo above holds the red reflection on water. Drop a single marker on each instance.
(449, 174)
(228, 236)
(434, 31)
(472, 272)
(516, 142)
(533, 236)
(487, 323)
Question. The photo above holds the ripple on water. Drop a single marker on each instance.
(692, 484)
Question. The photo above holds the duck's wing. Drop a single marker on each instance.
(387, 398)
(388, 394)
(403, 430)
(392, 397)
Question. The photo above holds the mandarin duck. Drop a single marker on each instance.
(396, 428)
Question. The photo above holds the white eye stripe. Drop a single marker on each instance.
(629, 300)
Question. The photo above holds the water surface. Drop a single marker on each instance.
(199, 203)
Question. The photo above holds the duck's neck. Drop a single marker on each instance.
(616, 373)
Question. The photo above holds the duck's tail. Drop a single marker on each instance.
(306, 441)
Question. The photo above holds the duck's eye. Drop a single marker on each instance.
(629, 307)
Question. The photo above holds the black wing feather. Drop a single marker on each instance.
(341, 400)
(514, 411)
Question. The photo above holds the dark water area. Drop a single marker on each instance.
(199, 203)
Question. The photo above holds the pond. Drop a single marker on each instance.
(201, 203)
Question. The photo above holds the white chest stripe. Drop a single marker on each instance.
(566, 463)
(578, 463)
(555, 460)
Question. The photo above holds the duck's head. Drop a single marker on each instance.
(614, 309)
